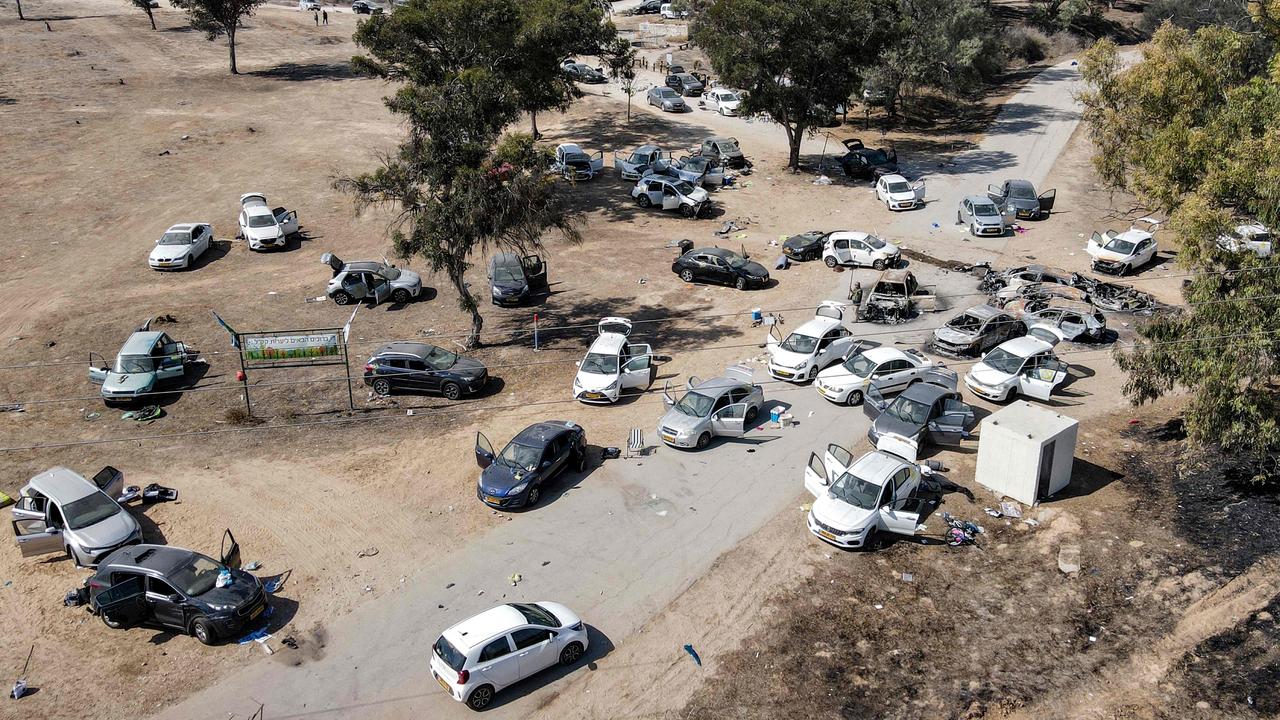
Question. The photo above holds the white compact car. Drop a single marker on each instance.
(857, 501)
(898, 194)
(859, 249)
(1024, 365)
(1251, 237)
(1122, 253)
(479, 656)
(263, 226)
(180, 245)
(889, 368)
(812, 346)
(722, 100)
(612, 364)
(671, 194)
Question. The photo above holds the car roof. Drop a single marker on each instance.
(412, 349)
(893, 178)
(717, 252)
(505, 257)
(877, 466)
(983, 311)
(183, 227)
(62, 484)
(1132, 234)
(478, 629)
(141, 342)
(1020, 183)
(363, 265)
(721, 139)
(975, 199)
(925, 392)
(894, 276)
(542, 432)
(718, 384)
(848, 235)
(159, 558)
(1061, 303)
(569, 147)
(881, 354)
(648, 148)
(816, 326)
(608, 343)
(1025, 346)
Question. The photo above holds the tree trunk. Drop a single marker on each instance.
(150, 16)
(231, 46)
(629, 93)
(533, 124)
(794, 136)
(456, 270)
(20, 10)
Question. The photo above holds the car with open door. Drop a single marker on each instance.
(817, 343)
(574, 163)
(180, 246)
(981, 216)
(724, 149)
(723, 100)
(631, 165)
(805, 246)
(1122, 253)
(696, 170)
(59, 511)
(1068, 320)
(148, 360)
(1019, 199)
(685, 84)
(976, 330)
(420, 367)
(891, 368)
(925, 412)
(177, 589)
(1022, 366)
(517, 476)
(668, 193)
(898, 194)
(864, 163)
(720, 266)
(613, 363)
(859, 249)
(724, 406)
(265, 227)
(857, 502)
(515, 279)
(478, 657)
(370, 280)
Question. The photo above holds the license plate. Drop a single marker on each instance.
(257, 611)
(163, 262)
(443, 684)
(592, 395)
(826, 535)
(668, 438)
(780, 373)
(492, 499)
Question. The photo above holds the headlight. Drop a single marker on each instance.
(612, 386)
(220, 607)
(519, 488)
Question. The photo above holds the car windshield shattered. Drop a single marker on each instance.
(874, 242)
(389, 272)
(441, 359)
(695, 405)
(965, 322)
(797, 343)
(196, 576)
(134, 364)
(261, 221)
(985, 210)
(507, 273)
(728, 97)
(860, 365)
(683, 187)
(695, 164)
(520, 456)
(175, 238)
(897, 187)
(855, 491)
(600, 364)
(907, 410)
(1124, 247)
(89, 510)
(1003, 360)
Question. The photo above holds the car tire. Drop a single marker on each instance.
(451, 391)
(381, 387)
(342, 298)
(740, 283)
(973, 230)
(202, 629)
(960, 221)
(114, 625)
(644, 201)
(581, 464)
(831, 262)
(401, 296)
(190, 259)
(686, 275)
(855, 398)
(703, 441)
(873, 541)
(1125, 270)
(688, 211)
(752, 414)
(571, 653)
(535, 494)
(878, 265)
(480, 698)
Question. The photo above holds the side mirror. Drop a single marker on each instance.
(545, 464)
(175, 598)
(577, 363)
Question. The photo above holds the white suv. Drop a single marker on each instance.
(612, 364)
(479, 656)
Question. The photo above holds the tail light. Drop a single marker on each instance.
(463, 677)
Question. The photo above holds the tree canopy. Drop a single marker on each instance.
(216, 18)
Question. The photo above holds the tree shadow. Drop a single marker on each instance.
(297, 72)
(598, 647)
(650, 324)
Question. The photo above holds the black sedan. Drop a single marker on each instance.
(865, 163)
(805, 246)
(424, 368)
(516, 476)
(584, 73)
(720, 266)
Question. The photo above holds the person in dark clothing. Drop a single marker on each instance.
(317, 17)
(324, 15)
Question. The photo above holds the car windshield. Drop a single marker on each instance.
(449, 654)
(89, 510)
(261, 221)
(600, 364)
(536, 614)
(508, 273)
(196, 576)
(736, 262)
(874, 242)
(389, 272)
(175, 238)
(520, 456)
(1124, 247)
(728, 97)
(1022, 192)
(441, 359)
(667, 93)
(683, 188)
(965, 322)
(897, 187)
(696, 164)
(1003, 360)
(855, 491)
(907, 410)
(134, 364)
(695, 404)
(985, 210)
(876, 157)
(797, 343)
(860, 365)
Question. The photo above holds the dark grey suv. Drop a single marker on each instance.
(419, 367)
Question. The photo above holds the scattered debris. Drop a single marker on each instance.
(367, 552)
(20, 685)
(515, 579)
(290, 642)
(692, 653)
(156, 493)
(1010, 509)
(255, 565)
(15, 407)
(824, 180)
(1069, 559)
(146, 414)
(908, 577)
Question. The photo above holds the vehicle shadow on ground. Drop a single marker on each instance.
(308, 71)
(598, 647)
(151, 532)
(410, 400)
(170, 395)
(427, 295)
(218, 249)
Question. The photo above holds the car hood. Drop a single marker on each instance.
(837, 375)
(840, 514)
(700, 195)
(677, 420)
(802, 242)
(128, 382)
(271, 232)
(888, 249)
(886, 424)
(242, 588)
(111, 532)
(509, 286)
(468, 368)
(673, 101)
(988, 219)
(754, 269)
(989, 376)
(1099, 253)
(408, 278)
(594, 381)
(954, 336)
(1023, 203)
(498, 479)
(786, 357)
(901, 196)
(169, 252)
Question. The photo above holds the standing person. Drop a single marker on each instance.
(316, 14)
(325, 15)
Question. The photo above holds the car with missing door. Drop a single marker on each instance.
(60, 511)
(423, 368)
(478, 657)
(723, 406)
(890, 368)
(818, 342)
(180, 246)
(516, 477)
(613, 363)
(858, 503)
(720, 266)
(976, 330)
(859, 249)
(370, 280)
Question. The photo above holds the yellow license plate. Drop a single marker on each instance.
(443, 684)
(257, 611)
(492, 499)
(592, 395)
(669, 438)
(826, 535)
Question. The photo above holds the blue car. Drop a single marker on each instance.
(516, 476)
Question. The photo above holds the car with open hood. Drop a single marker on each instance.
(859, 249)
(726, 150)
(817, 343)
(898, 194)
(574, 163)
(1022, 366)
(864, 163)
(723, 100)
(982, 217)
(668, 193)
(177, 589)
(631, 165)
(721, 266)
(517, 476)
(858, 502)
(613, 363)
(925, 412)
(666, 99)
(146, 361)
(370, 280)
(1120, 253)
(478, 657)
(515, 279)
(419, 367)
(180, 246)
(724, 406)
(265, 227)
(1019, 199)
(1068, 320)
(976, 330)
(59, 511)
(890, 368)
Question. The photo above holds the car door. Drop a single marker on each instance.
(110, 481)
(379, 285)
(244, 223)
(498, 663)
(555, 456)
(167, 604)
(124, 601)
(893, 375)
(418, 374)
(169, 356)
(535, 272)
(638, 371)
(625, 164)
(714, 175)
(230, 551)
(718, 270)
(670, 199)
(836, 460)
(949, 421)
(902, 516)
(1146, 252)
(597, 162)
(35, 507)
(816, 477)
(873, 400)
(535, 649)
(35, 537)
(1040, 375)
(1047, 199)
(730, 420)
(484, 451)
(997, 194)
(917, 188)
(882, 192)
(288, 220)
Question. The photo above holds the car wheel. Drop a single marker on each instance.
(686, 275)
(581, 465)
(959, 221)
(752, 414)
(873, 541)
(855, 397)
(703, 441)
(190, 259)
(480, 698)
(830, 260)
(451, 391)
(688, 211)
(203, 630)
(534, 494)
(740, 283)
(878, 265)
(1125, 270)
(973, 230)
(571, 653)
(644, 201)
(400, 296)
(381, 387)
(113, 624)
(342, 298)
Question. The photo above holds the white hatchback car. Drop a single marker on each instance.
(722, 100)
(479, 656)
(812, 346)
(1122, 253)
(180, 245)
(889, 368)
(1023, 365)
(612, 364)
(859, 249)
(898, 194)
(856, 501)
(263, 226)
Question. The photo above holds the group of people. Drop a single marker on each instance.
(321, 14)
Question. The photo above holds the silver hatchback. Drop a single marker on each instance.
(725, 406)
